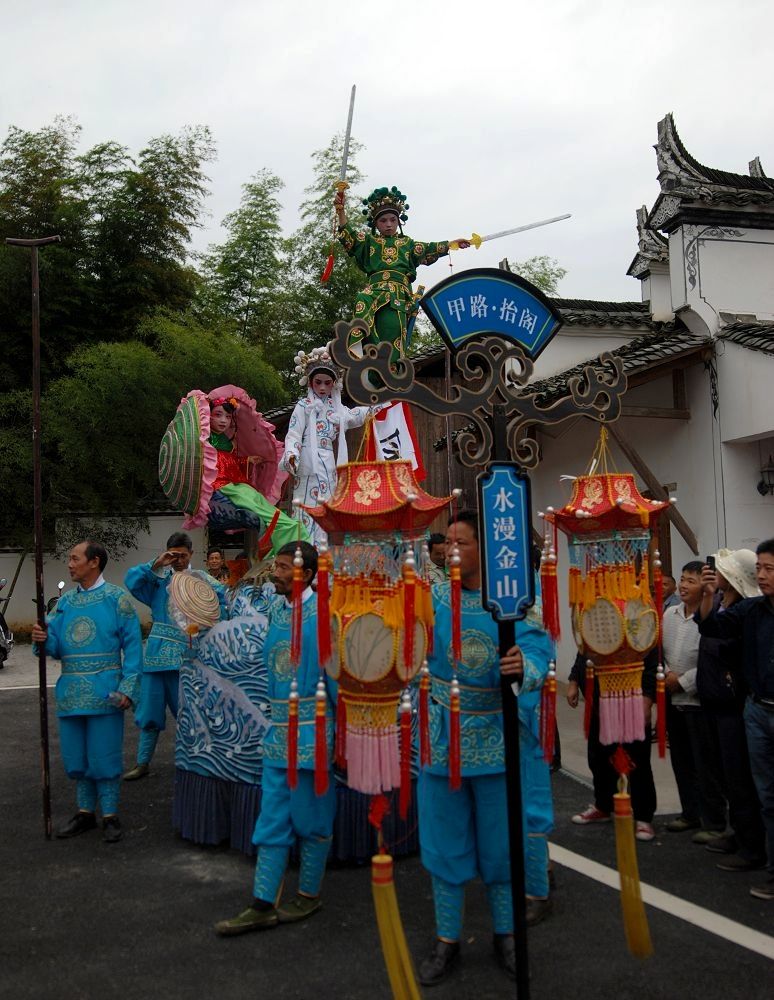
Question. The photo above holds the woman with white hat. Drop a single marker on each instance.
(722, 693)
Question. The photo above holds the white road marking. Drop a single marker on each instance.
(714, 923)
(23, 687)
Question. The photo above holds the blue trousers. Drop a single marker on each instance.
(287, 814)
(159, 690)
(91, 747)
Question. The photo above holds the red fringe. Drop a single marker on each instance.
(455, 760)
(588, 696)
(424, 719)
(550, 593)
(456, 610)
(340, 746)
(293, 743)
(405, 760)
(320, 745)
(548, 717)
(661, 715)
(409, 618)
(297, 613)
(328, 269)
(430, 639)
(323, 609)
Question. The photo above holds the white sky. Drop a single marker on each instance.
(488, 114)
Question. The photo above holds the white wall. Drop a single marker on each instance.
(21, 610)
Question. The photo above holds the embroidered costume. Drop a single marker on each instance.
(289, 814)
(165, 650)
(390, 263)
(315, 439)
(96, 635)
(464, 833)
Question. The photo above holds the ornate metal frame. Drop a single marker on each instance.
(502, 370)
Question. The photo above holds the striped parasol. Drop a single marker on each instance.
(185, 454)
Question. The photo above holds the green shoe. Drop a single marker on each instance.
(138, 771)
(680, 824)
(248, 920)
(299, 908)
(707, 836)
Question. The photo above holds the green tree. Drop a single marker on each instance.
(543, 271)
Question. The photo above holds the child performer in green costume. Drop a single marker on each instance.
(389, 260)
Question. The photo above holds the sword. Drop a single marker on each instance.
(341, 183)
(477, 240)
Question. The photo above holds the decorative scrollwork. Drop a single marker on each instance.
(493, 372)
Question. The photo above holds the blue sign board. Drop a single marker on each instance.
(487, 300)
(508, 581)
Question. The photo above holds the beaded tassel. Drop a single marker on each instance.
(588, 696)
(297, 610)
(340, 745)
(658, 580)
(548, 713)
(424, 715)
(455, 761)
(320, 740)
(409, 612)
(293, 735)
(323, 605)
(405, 755)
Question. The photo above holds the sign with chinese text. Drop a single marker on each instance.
(488, 300)
(508, 582)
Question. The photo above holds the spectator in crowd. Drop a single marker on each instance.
(751, 621)
(437, 549)
(605, 777)
(216, 565)
(722, 693)
(692, 745)
(671, 597)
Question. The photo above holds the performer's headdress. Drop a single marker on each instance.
(384, 200)
(229, 403)
(318, 360)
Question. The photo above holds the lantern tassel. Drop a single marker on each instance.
(634, 917)
(424, 716)
(549, 589)
(323, 606)
(297, 610)
(340, 745)
(405, 755)
(588, 697)
(293, 735)
(548, 714)
(397, 958)
(661, 710)
(320, 740)
(455, 760)
(409, 613)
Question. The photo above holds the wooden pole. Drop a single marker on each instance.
(38, 522)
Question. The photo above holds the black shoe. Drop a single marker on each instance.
(537, 910)
(722, 845)
(740, 864)
(439, 963)
(80, 823)
(111, 830)
(505, 953)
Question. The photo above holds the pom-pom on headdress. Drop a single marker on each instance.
(318, 360)
(385, 200)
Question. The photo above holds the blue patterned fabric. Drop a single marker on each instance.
(108, 791)
(96, 635)
(223, 715)
(449, 902)
(86, 794)
(280, 674)
(269, 872)
(498, 895)
(314, 855)
(146, 746)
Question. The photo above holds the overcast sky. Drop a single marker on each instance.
(486, 114)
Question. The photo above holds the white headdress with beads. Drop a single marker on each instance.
(318, 359)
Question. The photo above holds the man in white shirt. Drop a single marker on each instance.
(693, 751)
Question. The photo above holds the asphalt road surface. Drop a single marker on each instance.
(83, 919)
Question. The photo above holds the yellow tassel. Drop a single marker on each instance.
(634, 917)
(397, 959)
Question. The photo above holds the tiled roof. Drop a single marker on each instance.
(724, 177)
(757, 336)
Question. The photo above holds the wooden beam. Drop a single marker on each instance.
(654, 485)
(671, 413)
(679, 394)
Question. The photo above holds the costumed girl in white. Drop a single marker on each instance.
(316, 428)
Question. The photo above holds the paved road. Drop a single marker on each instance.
(81, 919)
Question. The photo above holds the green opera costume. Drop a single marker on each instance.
(390, 263)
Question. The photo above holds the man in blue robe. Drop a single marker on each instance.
(464, 833)
(166, 647)
(95, 632)
(289, 814)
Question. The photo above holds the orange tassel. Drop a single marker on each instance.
(405, 755)
(340, 744)
(424, 716)
(297, 610)
(323, 606)
(409, 616)
(293, 735)
(548, 714)
(320, 740)
(455, 588)
(588, 697)
(455, 761)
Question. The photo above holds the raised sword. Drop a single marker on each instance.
(477, 240)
